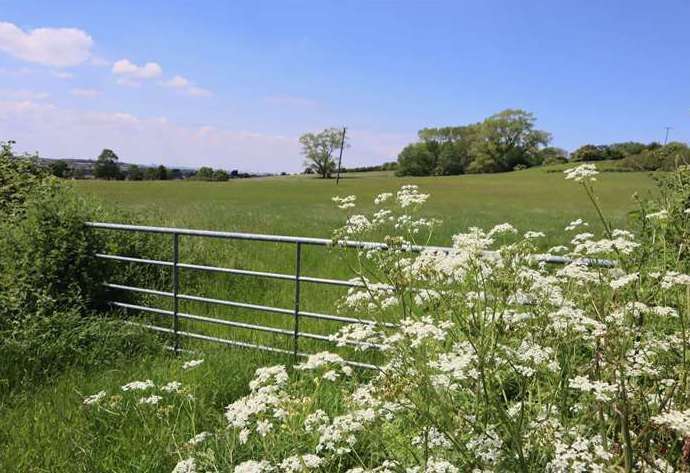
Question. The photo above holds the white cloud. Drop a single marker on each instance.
(69, 133)
(131, 74)
(184, 85)
(177, 82)
(85, 92)
(58, 47)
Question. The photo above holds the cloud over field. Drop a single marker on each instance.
(59, 47)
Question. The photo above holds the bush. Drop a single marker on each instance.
(51, 282)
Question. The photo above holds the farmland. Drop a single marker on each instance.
(64, 437)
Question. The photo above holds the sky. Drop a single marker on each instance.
(234, 84)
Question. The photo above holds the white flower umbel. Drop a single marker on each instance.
(172, 387)
(660, 215)
(575, 224)
(624, 280)
(602, 391)
(94, 398)
(675, 420)
(138, 385)
(198, 439)
(409, 196)
(188, 365)
(252, 466)
(301, 463)
(185, 466)
(345, 203)
(383, 197)
(151, 400)
(582, 172)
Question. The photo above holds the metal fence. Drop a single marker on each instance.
(296, 277)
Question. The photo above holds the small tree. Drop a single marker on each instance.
(134, 173)
(106, 166)
(59, 168)
(162, 173)
(319, 149)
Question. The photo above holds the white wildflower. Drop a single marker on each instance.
(172, 387)
(581, 172)
(576, 223)
(185, 466)
(138, 385)
(198, 439)
(602, 391)
(345, 202)
(150, 400)
(94, 398)
(660, 215)
(383, 197)
(531, 235)
(502, 228)
(301, 463)
(188, 365)
(251, 466)
(624, 280)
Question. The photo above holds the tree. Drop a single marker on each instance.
(319, 148)
(591, 153)
(106, 166)
(552, 155)
(176, 174)
(416, 159)
(134, 173)
(220, 175)
(507, 139)
(204, 174)
(59, 168)
(162, 173)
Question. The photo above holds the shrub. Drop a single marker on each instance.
(51, 282)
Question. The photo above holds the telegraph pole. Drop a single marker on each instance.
(666, 138)
(340, 159)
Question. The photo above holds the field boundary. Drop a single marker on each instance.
(297, 277)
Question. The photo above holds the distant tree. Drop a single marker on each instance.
(220, 175)
(162, 173)
(234, 173)
(59, 168)
(106, 166)
(134, 173)
(552, 155)
(150, 173)
(204, 174)
(417, 159)
(175, 174)
(318, 150)
(506, 139)
(666, 158)
(592, 153)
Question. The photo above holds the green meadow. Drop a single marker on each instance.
(49, 430)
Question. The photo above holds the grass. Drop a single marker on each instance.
(531, 200)
(52, 432)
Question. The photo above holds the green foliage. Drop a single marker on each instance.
(59, 168)
(20, 177)
(106, 166)
(552, 155)
(51, 282)
(664, 158)
(134, 173)
(499, 143)
(319, 148)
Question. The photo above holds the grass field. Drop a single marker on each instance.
(301, 206)
(54, 434)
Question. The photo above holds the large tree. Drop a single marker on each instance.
(319, 150)
(507, 139)
(106, 166)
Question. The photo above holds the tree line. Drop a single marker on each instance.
(508, 140)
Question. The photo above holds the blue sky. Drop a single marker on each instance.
(234, 84)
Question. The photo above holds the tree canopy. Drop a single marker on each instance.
(319, 149)
(500, 143)
(106, 166)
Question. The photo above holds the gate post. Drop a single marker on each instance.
(298, 266)
(175, 289)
